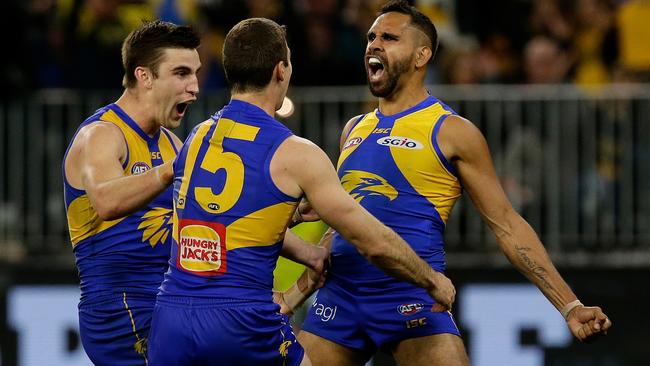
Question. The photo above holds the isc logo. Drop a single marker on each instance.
(400, 142)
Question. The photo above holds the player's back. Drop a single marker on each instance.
(394, 167)
(128, 254)
(229, 217)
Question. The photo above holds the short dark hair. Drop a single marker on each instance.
(418, 20)
(145, 46)
(250, 52)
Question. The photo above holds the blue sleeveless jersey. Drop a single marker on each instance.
(393, 166)
(229, 216)
(129, 254)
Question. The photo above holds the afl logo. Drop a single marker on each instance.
(213, 206)
(400, 142)
(409, 309)
(139, 168)
(352, 142)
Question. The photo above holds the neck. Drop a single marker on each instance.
(263, 99)
(408, 92)
(140, 110)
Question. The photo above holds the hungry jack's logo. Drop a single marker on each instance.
(202, 247)
(362, 184)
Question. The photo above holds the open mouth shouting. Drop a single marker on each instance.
(375, 68)
(181, 107)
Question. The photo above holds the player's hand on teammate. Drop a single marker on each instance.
(443, 292)
(588, 323)
(318, 266)
(278, 298)
(304, 213)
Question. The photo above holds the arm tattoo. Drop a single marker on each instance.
(537, 270)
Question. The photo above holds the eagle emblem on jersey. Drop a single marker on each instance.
(362, 184)
(156, 224)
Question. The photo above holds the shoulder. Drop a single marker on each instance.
(100, 132)
(348, 128)
(458, 137)
(351, 123)
(300, 153)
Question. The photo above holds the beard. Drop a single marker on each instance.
(387, 87)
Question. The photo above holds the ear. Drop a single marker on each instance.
(143, 75)
(280, 71)
(423, 56)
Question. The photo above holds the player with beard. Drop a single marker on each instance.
(406, 162)
(237, 181)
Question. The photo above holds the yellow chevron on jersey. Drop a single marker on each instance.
(254, 229)
(83, 221)
(423, 167)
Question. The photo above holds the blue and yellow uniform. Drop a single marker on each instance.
(121, 262)
(215, 305)
(394, 167)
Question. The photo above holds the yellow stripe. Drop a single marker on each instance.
(190, 160)
(166, 147)
(139, 341)
(83, 220)
(260, 228)
(422, 168)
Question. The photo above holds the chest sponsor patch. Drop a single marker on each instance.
(202, 247)
(400, 142)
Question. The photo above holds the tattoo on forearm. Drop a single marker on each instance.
(537, 270)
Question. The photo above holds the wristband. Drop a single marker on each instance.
(566, 310)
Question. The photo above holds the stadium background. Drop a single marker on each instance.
(557, 86)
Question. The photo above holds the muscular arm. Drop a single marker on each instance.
(378, 243)
(99, 169)
(515, 237)
(309, 281)
(461, 141)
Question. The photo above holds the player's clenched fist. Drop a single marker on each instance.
(588, 322)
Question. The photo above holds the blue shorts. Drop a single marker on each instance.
(114, 329)
(374, 317)
(190, 331)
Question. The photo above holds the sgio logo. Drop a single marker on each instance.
(400, 142)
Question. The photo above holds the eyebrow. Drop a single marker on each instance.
(384, 34)
(181, 68)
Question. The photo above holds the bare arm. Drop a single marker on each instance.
(469, 152)
(378, 243)
(308, 282)
(99, 168)
(304, 253)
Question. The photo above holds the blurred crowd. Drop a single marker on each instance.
(76, 43)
